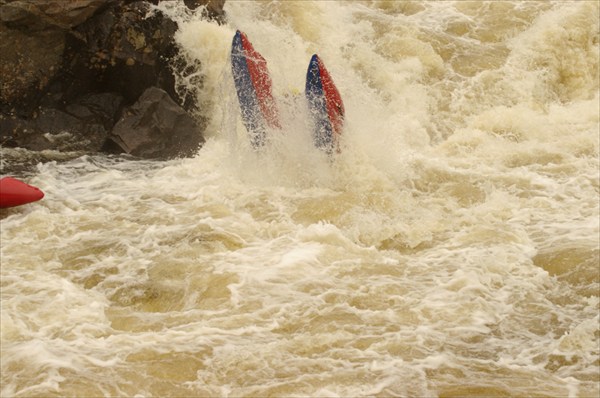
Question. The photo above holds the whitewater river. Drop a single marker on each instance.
(450, 249)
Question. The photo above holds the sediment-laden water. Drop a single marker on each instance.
(450, 249)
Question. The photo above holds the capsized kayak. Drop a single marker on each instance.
(325, 105)
(254, 88)
(14, 192)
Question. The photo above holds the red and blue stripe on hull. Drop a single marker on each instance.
(325, 105)
(254, 89)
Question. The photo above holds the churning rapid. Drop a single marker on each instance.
(450, 249)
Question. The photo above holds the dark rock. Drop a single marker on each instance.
(123, 49)
(49, 129)
(214, 8)
(102, 108)
(31, 15)
(83, 126)
(33, 36)
(156, 127)
(28, 62)
(67, 69)
(16, 130)
(66, 132)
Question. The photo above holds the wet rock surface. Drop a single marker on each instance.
(155, 127)
(70, 70)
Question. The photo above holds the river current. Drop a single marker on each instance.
(450, 249)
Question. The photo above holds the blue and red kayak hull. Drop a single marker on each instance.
(254, 89)
(325, 105)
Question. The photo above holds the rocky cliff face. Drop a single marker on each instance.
(73, 73)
